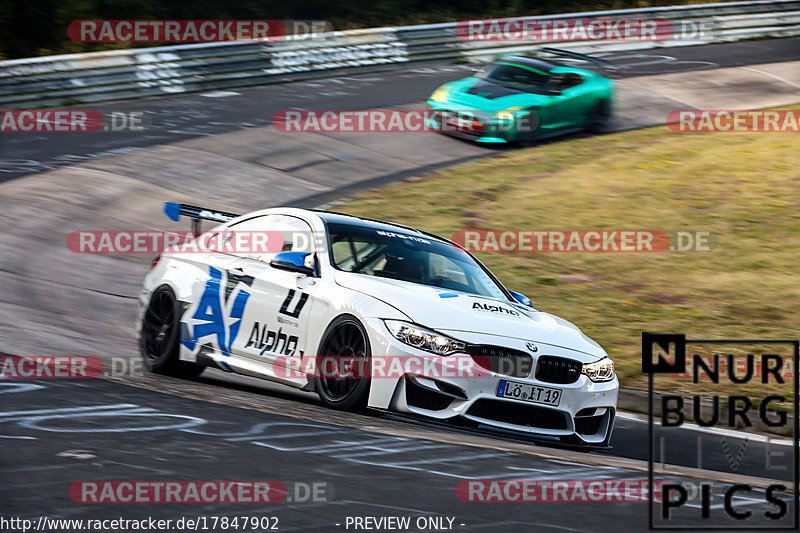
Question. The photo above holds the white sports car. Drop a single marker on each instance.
(439, 336)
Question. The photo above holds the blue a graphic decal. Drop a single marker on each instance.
(209, 317)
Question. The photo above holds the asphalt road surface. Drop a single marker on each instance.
(225, 427)
(58, 433)
(178, 117)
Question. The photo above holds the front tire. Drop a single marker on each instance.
(159, 337)
(344, 365)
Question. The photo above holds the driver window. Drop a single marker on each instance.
(382, 260)
(263, 237)
(569, 81)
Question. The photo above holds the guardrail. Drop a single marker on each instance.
(121, 74)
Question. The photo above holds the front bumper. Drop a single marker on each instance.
(471, 124)
(584, 415)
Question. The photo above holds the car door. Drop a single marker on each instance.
(208, 320)
(568, 108)
(275, 323)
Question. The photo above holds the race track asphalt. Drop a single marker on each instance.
(56, 303)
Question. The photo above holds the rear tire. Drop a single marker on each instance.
(598, 120)
(345, 346)
(159, 337)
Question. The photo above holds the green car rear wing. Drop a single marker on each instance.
(575, 55)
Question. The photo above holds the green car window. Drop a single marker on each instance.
(518, 77)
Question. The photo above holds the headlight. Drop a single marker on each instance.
(602, 370)
(440, 94)
(508, 114)
(424, 339)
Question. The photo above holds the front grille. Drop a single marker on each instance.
(453, 122)
(423, 398)
(518, 414)
(552, 369)
(502, 360)
(589, 425)
(466, 134)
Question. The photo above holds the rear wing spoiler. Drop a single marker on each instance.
(174, 211)
(575, 55)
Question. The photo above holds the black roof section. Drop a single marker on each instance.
(525, 61)
(344, 218)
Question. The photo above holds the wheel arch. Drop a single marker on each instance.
(337, 321)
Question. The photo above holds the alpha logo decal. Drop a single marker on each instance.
(494, 309)
(218, 315)
(277, 342)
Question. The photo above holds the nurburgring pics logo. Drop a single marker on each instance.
(719, 395)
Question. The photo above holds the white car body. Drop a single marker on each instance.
(232, 320)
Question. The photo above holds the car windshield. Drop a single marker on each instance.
(408, 257)
(526, 79)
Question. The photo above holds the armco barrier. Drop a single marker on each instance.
(119, 74)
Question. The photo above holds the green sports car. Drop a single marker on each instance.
(520, 99)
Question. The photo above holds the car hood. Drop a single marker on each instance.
(478, 94)
(455, 312)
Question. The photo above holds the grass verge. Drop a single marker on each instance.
(745, 188)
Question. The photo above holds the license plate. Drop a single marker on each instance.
(528, 393)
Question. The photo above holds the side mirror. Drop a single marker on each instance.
(293, 262)
(521, 298)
